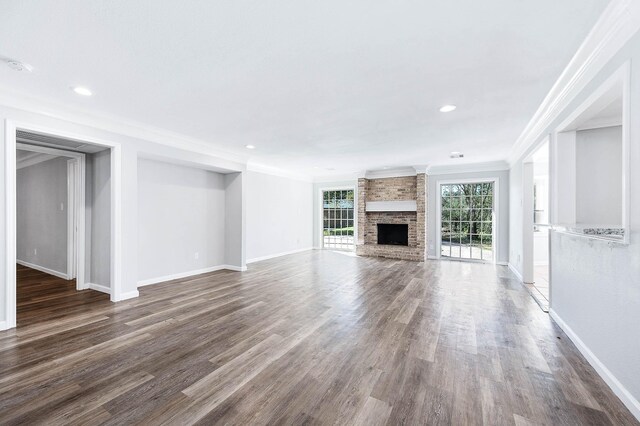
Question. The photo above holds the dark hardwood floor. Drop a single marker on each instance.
(313, 338)
(43, 297)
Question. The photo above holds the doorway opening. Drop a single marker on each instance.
(467, 221)
(537, 224)
(62, 226)
(338, 223)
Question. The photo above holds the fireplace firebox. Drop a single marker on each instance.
(393, 234)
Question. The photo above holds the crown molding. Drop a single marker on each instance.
(617, 24)
(114, 124)
(491, 166)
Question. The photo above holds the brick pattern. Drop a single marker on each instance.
(392, 189)
(362, 197)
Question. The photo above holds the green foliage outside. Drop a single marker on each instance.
(339, 231)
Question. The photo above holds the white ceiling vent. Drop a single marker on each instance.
(56, 142)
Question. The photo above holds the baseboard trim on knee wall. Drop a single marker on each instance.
(618, 388)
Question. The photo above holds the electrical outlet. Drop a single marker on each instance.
(196, 256)
(61, 207)
(35, 252)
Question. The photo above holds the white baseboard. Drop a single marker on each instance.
(618, 388)
(234, 268)
(284, 253)
(3, 325)
(128, 295)
(432, 257)
(188, 274)
(43, 269)
(515, 271)
(98, 287)
(502, 263)
(180, 275)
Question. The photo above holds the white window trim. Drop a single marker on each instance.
(496, 215)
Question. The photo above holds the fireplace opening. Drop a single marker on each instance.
(392, 234)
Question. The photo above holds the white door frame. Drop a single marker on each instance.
(527, 222)
(11, 126)
(76, 167)
(73, 222)
(321, 211)
(496, 213)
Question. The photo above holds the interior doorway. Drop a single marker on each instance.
(537, 225)
(50, 201)
(62, 226)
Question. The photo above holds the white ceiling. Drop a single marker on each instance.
(348, 85)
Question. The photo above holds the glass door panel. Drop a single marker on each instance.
(467, 221)
(338, 219)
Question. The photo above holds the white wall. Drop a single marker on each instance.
(541, 247)
(516, 244)
(181, 213)
(595, 285)
(98, 218)
(433, 198)
(279, 215)
(598, 176)
(235, 220)
(41, 223)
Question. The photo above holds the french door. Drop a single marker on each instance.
(467, 221)
(338, 219)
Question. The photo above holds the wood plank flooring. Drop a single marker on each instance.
(313, 338)
(42, 296)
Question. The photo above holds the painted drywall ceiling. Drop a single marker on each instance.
(313, 85)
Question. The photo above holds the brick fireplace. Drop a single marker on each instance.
(392, 200)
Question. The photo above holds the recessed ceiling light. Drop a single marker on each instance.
(447, 108)
(19, 66)
(250, 146)
(456, 154)
(83, 91)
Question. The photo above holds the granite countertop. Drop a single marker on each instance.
(605, 231)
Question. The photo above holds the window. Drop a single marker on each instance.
(338, 219)
(466, 223)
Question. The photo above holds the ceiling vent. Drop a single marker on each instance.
(56, 142)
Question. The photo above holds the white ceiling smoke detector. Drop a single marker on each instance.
(456, 154)
(19, 66)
